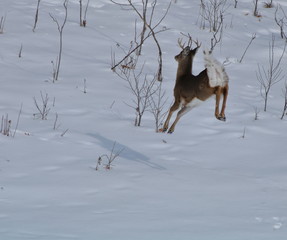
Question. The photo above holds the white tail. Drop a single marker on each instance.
(215, 71)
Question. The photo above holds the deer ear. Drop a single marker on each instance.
(195, 50)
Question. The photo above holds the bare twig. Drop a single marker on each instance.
(284, 91)
(255, 12)
(281, 22)
(85, 86)
(268, 76)
(55, 122)
(60, 29)
(256, 112)
(43, 109)
(251, 40)
(18, 119)
(110, 158)
(2, 24)
(36, 15)
(85, 15)
(147, 24)
(5, 125)
(62, 135)
(20, 51)
(157, 102)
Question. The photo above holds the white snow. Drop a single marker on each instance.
(208, 180)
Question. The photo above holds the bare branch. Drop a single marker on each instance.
(36, 15)
(60, 29)
(251, 40)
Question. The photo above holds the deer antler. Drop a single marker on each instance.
(197, 43)
(189, 43)
(180, 44)
(189, 40)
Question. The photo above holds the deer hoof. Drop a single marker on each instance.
(221, 118)
(170, 131)
(163, 130)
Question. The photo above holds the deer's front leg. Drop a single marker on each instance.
(182, 111)
(173, 108)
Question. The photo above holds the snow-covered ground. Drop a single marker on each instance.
(208, 180)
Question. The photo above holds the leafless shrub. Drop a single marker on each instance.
(281, 21)
(83, 21)
(284, 91)
(147, 23)
(5, 125)
(109, 157)
(2, 24)
(56, 70)
(272, 74)
(212, 14)
(217, 35)
(141, 87)
(251, 40)
(157, 103)
(42, 107)
(36, 15)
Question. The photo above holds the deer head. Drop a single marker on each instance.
(187, 50)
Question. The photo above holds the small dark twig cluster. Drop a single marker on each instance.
(43, 108)
(109, 157)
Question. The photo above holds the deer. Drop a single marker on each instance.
(190, 90)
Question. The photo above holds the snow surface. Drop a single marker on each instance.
(209, 180)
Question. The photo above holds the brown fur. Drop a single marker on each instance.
(189, 87)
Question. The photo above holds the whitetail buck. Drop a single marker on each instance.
(189, 90)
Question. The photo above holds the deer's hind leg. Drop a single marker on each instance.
(218, 93)
(225, 94)
(173, 108)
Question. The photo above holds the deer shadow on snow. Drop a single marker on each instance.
(125, 151)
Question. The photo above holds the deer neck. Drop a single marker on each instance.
(184, 68)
